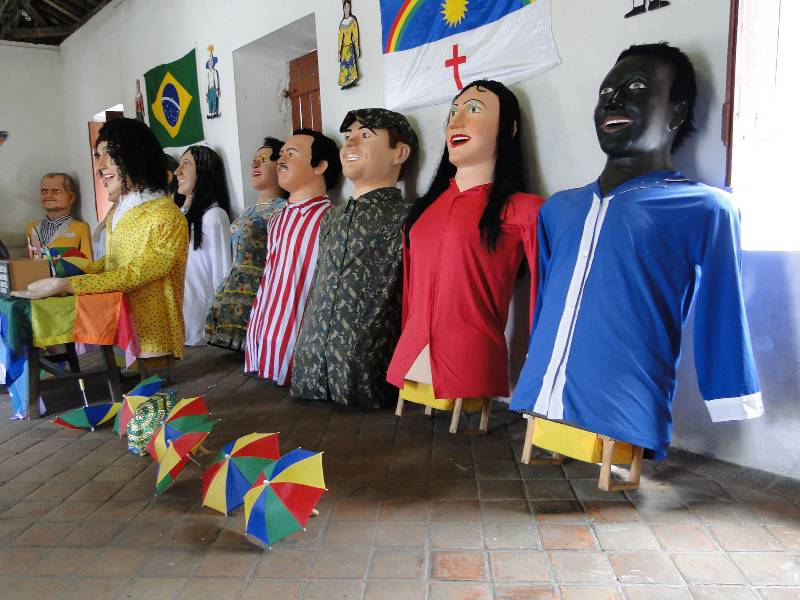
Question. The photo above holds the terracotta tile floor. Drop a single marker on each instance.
(412, 513)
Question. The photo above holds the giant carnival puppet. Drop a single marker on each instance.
(227, 319)
(308, 166)
(465, 240)
(201, 181)
(352, 320)
(146, 241)
(620, 262)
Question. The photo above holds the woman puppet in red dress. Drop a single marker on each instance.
(464, 244)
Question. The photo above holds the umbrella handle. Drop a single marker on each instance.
(203, 450)
(314, 512)
(83, 391)
(191, 458)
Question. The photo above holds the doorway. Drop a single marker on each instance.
(265, 92)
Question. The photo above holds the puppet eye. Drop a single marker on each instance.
(637, 85)
(606, 90)
(474, 107)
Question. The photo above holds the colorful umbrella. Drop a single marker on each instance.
(68, 261)
(87, 417)
(235, 469)
(181, 434)
(133, 400)
(283, 497)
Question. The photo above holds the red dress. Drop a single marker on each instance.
(456, 292)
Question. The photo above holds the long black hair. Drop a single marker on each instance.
(209, 188)
(136, 152)
(508, 176)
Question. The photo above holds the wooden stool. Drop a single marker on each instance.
(422, 393)
(564, 440)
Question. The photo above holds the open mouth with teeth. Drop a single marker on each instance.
(614, 124)
(459, 140)
(256, 173)
(351, 157)
(282, 168)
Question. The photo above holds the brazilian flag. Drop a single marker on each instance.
(174, 102)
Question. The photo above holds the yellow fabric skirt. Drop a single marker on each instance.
(576, 443)
(422, 393)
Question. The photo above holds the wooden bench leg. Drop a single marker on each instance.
(456, 415)
(485, 412)
(527, 450)
(33, 381)
(605, 482)
(399, 409)
(114, 379)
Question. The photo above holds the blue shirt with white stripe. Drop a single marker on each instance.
(617, 276)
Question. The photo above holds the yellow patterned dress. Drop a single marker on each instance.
(146, 259)
(349, 52)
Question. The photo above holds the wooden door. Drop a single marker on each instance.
(304, 92)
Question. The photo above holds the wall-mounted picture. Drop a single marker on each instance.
(213, 89)
(139, 101)
(646, 5)
(3, 137)
(349, 47)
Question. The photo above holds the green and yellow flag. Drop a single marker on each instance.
(174, 102)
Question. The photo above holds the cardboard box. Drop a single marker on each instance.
(17, 273)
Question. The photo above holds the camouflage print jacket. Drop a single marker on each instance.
(352, 319)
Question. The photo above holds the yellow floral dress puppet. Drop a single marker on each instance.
(349, 49)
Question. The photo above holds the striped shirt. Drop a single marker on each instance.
(292, 244)
(48, 228)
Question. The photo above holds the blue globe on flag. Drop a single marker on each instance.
(170, 104)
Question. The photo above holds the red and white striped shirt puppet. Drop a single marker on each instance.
(281, 299)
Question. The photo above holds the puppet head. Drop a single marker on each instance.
(129, 158)
(201, 178)
(378, 145)
(481, 110)
(646, 102)
(264, 168)
(57, 194)
(308, 159)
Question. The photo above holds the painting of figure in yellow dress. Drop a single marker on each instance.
(349, 49)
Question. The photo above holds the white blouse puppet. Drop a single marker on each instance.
(206, 269)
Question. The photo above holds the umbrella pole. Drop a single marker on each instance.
(83, 393)
(191, 458)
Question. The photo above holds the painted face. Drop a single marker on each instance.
(264, 173)
(186, 174)
(472, 126)
(108, 171)
(366, 154)
(633, 111)
(54, 195)
(294, 163)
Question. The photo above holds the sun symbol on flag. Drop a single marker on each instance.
(454, 11)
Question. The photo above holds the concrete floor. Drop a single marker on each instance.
(413, 512)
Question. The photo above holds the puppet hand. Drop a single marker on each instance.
(44, 288)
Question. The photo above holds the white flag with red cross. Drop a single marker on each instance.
(433, 48)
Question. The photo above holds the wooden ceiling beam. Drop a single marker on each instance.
(31, 33)
(55, 17)
(35, 14)
(63, 9)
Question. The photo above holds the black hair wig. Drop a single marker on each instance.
(684, 86)
(273, 144)
(170, 164)
(508, 175)
(136, 152)
(209, 188)
(324, 148)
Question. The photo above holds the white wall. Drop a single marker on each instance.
(102, 60)
(30, 111)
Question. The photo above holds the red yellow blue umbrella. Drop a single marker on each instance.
(283, 497)
(88, 417)
(68, 261)
(235, 469)
(133, 400)
(181, 434)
